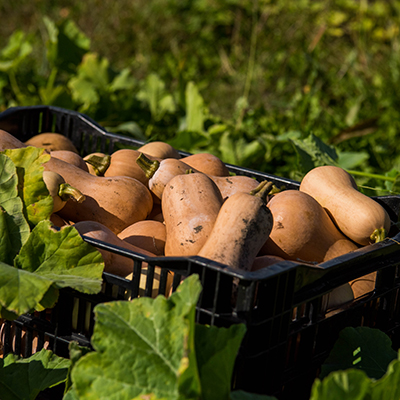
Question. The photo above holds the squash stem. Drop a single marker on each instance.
(66, 191)
(148, 166)
(99, 163)
(262, 190)
(378, 235)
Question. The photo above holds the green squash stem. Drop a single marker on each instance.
(66, 192)
(99, 163)
(148, 166)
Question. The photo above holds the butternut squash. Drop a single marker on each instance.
(57, 220)
(71, 158)
(243, 224)
(207, 164)
(265, 261)
(123, 163)
(232, 184)
(52, 141)
(117, 264)
(161, 172)
(116, 202)
(60, 191)
(97, 163)
(358, 216)
(190, 205)
(158, 149)
(8, 141)
(302, 230)
(339, 296)
(363, 285)
(148, 235)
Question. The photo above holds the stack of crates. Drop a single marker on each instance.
(289, 330)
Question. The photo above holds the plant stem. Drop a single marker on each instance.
(374, 176)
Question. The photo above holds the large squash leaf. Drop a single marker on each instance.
(49, 260)
(38, 204)
(63, 257)
(24, 379)
(14, 229)
(216, 351)
(362, 348)
(143, 348)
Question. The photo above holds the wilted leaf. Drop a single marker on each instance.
(24, 379)
(143, 348)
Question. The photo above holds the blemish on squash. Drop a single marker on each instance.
(197, 229)
(279, 225)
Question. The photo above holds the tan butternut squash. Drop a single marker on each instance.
(363, 285)
(302, 230)
(123, 163)
(97, 163)
(52, 141)
(243, 224)
(60, 191)
(70, 157)
(148, 235)
(229, 185)
(116, 202)
(358, 216)
(190, 205)
(158, 149)
(161, 172)
(261, 262)
(207, 164)
(8, 141)
(117, 264)
(57, 220)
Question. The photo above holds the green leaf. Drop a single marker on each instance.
(313, 152)
(216, 350)
(23, 379)
(14, 228)
(71, 45)
(18, 49)
(351, 159)
(20, 291)
(75, 354)
(154, 94)
(194, 108)
(227, 148)
(143, 348)
(388, 387)
(362, 348)
(38, 203)
(123, 81)
(62, 257)
(344, 385)
(129, 127)
(83, 92)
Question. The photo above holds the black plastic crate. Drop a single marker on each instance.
(289, 330)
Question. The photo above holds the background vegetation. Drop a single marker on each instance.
(259, 83)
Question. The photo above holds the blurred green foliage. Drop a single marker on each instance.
(260, 83)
